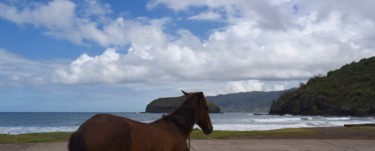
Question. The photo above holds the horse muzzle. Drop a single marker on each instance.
(208, 130)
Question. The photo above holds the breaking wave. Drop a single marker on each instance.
(20, 123)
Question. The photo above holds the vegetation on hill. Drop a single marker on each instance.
(167, 105)
(349, 90)
(256, 101)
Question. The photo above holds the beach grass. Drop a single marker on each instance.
(196, 134)
(341, 132)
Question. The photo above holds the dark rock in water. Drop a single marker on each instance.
(360, 125)
(348, 91)
(167, 105)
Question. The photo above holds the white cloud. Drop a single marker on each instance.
(62, 20)
(261, 41)
(18, 71)
(95, 8)
(245, 49)
(260, 45)
(55, 15)
(173, 4)
(245, 86)
(258, 85)
(209, 16)
(106, 68)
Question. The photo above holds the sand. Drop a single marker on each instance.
(234, 145)
(324, 139)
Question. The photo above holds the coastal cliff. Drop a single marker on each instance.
(349, 90)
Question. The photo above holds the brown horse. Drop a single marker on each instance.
(105, 132)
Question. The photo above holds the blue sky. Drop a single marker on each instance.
(117, 56)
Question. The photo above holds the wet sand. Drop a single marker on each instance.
(234, 145)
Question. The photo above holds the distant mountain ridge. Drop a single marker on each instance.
(167, 105)
(255, 101)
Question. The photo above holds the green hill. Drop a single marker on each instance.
(166, 105)
(349, 90)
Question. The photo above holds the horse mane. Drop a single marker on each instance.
(183, 117)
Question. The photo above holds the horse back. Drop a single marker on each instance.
(113, 133)
(106, 132)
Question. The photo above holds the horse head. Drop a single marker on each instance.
(202, 118)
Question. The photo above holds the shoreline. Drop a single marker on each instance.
(33, 122)
(349, 133)
(361, 138)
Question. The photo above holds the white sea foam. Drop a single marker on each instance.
(257, 127)
(33, 129)
(251, 127)
(337, 118)
(306, 118)
(277, 120)
(227, 121)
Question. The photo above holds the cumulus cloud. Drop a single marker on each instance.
(55, 15)
(110, 67)
(245, 86)
(253, 46)
(259, 85)
(208, 16)
(261, 41)
(62, 20)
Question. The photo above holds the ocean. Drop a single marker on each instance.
(33, 122)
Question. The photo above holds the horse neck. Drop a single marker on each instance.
(183, 118)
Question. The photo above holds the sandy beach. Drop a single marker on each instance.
(323, 139)
(234, 145)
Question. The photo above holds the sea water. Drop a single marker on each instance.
(20, 123)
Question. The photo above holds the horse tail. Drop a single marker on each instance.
(76, 142)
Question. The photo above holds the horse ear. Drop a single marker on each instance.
(185, 93)
(203, 98)
(200, 94)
